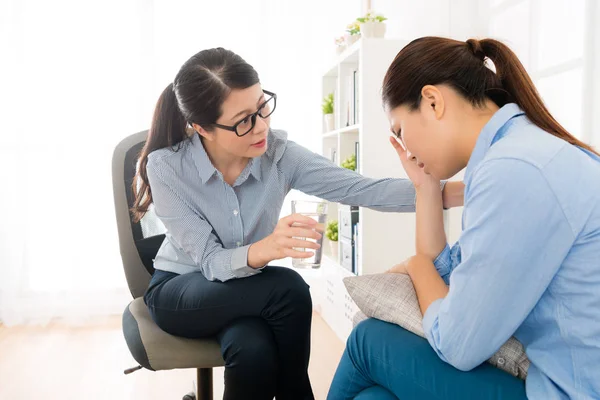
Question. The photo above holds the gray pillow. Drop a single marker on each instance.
(391, 297)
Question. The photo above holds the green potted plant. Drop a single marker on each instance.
(352, 33)
(327, 108)
(350, 163)
(331, 232)
(372, 25)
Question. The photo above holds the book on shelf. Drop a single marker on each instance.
(355, 95)
(356, 248)
(351, 106)
(349, 111)
(357, 155)
(336, 108)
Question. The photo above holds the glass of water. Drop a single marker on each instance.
(316, 210)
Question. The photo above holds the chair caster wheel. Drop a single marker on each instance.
(189, 396)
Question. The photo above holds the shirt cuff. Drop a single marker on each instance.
(239, 263)
(430, 321)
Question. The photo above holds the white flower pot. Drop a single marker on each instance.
(329, 124)
(372, 29)
(333, 246)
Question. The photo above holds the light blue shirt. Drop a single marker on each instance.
(527, 262)
(211, 224)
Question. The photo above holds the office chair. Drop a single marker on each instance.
(139, 242)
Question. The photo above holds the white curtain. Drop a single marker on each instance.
(77, 77)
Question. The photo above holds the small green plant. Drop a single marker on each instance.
(350, 163)
(332, 231)
(371, 17)
(327, 106)
(353, 28)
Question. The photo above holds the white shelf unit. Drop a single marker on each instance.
(385, 239)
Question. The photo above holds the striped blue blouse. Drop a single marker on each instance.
(210, 224)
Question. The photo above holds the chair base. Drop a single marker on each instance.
(204, 383)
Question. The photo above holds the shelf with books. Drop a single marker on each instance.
(377, 240)
(360, 131)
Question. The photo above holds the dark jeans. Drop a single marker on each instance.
(262, 324)
(382, 361)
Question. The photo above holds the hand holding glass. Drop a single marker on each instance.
(317, 211)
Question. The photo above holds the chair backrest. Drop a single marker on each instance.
(138, 241)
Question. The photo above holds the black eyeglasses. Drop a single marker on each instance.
(244, 126)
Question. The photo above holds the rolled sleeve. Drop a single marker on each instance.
(443, 263)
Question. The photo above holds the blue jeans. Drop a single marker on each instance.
(385, 362)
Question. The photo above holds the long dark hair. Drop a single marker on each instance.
(461, 65)
(195, 96)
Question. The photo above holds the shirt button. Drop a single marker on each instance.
(239, 244)
(235, 212)
(501, 361)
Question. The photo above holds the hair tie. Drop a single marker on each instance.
(474, 47)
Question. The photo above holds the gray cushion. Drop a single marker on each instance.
(155, 349)
(391, 297)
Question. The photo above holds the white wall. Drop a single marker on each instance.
(557, 41)
(409, 19)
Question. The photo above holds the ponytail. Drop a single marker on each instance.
(436, 60)
(516, 81)
(167, 130)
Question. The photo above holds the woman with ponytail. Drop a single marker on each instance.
(527, 263)
(217, 176)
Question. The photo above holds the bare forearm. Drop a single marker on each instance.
(426, 280)
(256, 255)
(430, 235)
(454, 194)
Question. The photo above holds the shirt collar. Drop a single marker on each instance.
(495, 126)
(205, 167)
(255, 169)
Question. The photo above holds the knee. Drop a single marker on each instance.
(293, 287)
(362, 335)
(254, 349)
(375, 392)
(253, 354)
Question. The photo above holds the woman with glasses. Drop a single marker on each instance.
(217, 176)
